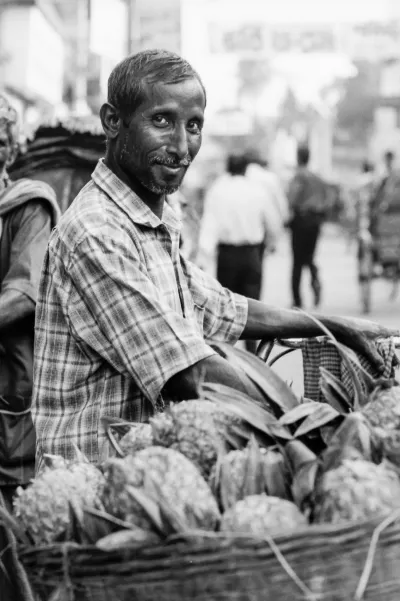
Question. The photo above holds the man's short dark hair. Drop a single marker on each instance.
(237, 164)
(127, 80)
(303, 155)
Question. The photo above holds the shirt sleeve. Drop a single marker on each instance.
(33, 224)
(116, 310)
(225, 312)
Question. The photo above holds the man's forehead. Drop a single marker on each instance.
(188, 89)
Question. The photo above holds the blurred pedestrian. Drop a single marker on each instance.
(308, 205)
(258, 170)
(238, 228)
(28, 210)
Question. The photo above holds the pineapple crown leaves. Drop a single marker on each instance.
(335, 392)
(353, 437)
(120, 426)
(276, 392)
(173, 521)
(253, 483)
(276, 475)
(150, 507)
(247, 409)
(303, 466)
(87, 526)
(315, 416)
(10, 523)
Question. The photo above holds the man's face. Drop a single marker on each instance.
(6, 147)
(158, 143)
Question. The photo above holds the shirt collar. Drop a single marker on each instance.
(130, 202)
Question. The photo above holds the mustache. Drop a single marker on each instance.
(170, 162)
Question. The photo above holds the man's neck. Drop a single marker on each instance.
(154, 201)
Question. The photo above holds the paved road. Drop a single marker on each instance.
(337, 261)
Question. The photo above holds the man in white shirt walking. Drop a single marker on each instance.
(276, 198)
(238, 229)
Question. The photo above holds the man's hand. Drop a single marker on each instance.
(360, 335)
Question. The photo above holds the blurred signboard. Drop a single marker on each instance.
(250, 37)
(372, 41)
(303, 40)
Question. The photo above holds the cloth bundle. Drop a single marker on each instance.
(319, 352)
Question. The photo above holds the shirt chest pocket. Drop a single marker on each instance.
(199, 301)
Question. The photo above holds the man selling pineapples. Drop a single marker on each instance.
(124, 323)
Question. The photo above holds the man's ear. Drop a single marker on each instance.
(110, 120)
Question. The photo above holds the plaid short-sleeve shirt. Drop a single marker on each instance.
(119, 312)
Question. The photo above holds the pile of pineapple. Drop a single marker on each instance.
(224, 465)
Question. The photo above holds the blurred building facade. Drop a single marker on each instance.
(31, 56)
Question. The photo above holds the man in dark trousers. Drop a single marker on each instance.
(28, 211)
(240, 222)
(308, 208)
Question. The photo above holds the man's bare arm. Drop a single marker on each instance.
(268, 322)
(184, 385)
(14, 306)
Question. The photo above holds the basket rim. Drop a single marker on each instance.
(333, 534)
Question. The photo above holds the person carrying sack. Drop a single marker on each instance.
(28, 211)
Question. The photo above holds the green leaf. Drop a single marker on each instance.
(298, 413)
(177, 523)
(266, 379)
(149, 506)
(335, 392)
(8, 521)
(354, 435)
(297, 454)
(127, 538)
(303, 484)
(323, 415)
(276, 475)
(253, 483)
(246, 409)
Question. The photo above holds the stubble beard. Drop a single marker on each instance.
(150, 185)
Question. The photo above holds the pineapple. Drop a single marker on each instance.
(196, 428)
(159, 482)
(43, 508)
(138, 437)
(356, 490)
(250, 471)
(262, 515)
(383, 407)
(190, 428)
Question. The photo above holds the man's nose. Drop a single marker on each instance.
(178, 143)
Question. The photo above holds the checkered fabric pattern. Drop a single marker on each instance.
(119, 313)
(319, 352)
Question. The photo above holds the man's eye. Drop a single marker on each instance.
(160, 121)
(194, 127)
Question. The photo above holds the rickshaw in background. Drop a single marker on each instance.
(62, 153)
(378, 237)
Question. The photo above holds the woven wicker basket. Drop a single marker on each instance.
(360, 561)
